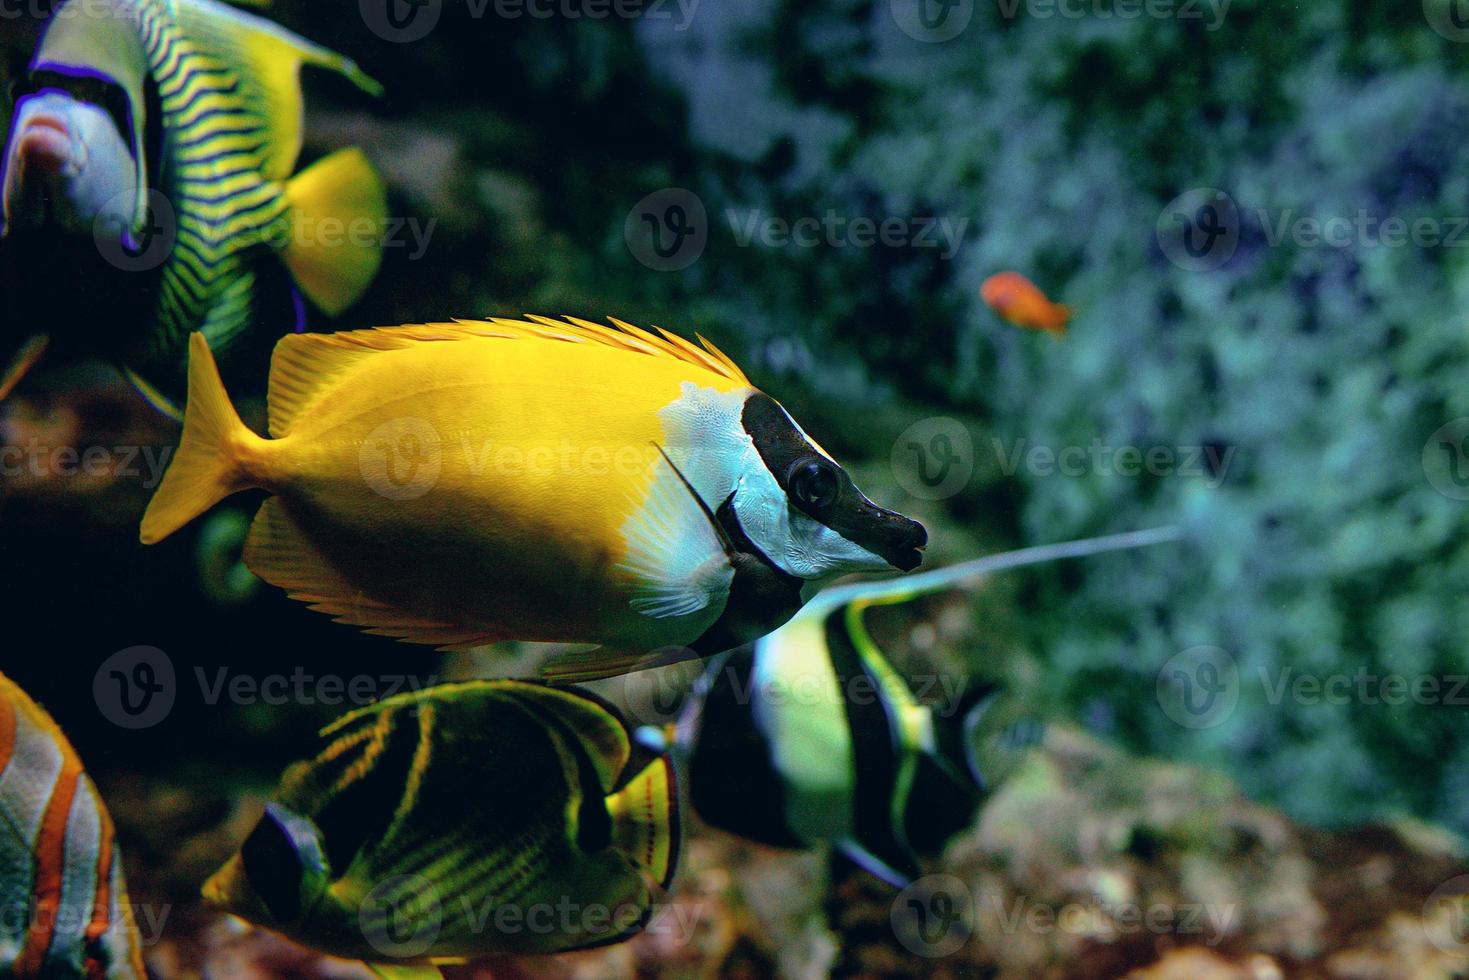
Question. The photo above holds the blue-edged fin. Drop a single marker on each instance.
(21, 363)
(160, 402)
(599, 663)
(384, 972)
(646, 825)
(341, 191)
(674, 554)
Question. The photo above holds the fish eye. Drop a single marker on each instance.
(813, 482)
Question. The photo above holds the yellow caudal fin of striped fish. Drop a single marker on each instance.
(339, 210)
(645, 820)
(268, 60)
(206, 467)
(383, 972)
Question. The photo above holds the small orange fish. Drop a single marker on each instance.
(1020, 301)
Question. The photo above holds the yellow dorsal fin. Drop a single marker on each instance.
(268, 60)
(589, 719)
(645, 820)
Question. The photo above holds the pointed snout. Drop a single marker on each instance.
(898, 540)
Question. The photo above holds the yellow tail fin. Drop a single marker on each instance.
(205, 469)
(645, 819)
(338, 221)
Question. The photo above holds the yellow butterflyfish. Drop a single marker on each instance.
(462, 483)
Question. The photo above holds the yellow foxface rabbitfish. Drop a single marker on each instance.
(458, 822)
(462, 483)
(812, 737)
(151, 164)
(58, 858)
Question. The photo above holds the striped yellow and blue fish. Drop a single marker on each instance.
(458, 822)
(552, 481)
(811, 737)
(58, 858)
(148, 169)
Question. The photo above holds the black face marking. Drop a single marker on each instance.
(761, 597)
(823, 491)
(273, 866)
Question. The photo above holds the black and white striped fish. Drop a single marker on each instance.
(156, 145)
(58, 858)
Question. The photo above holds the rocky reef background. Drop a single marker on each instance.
(1298, 395)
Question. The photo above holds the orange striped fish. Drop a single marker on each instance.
(58, 858)
(1021, 301)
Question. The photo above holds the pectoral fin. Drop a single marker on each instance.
(674, 555)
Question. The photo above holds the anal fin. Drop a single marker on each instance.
(278, 551)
